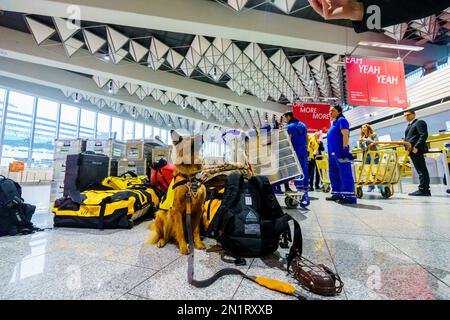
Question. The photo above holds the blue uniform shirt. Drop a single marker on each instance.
(334, 135)
(299, 133)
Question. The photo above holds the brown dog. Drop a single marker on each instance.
(170, 224)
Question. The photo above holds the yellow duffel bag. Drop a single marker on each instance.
(212, 203)
(103, 209)
(128, 180)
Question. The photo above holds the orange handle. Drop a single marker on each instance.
(276, 285)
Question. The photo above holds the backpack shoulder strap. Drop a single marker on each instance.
(268, 197)
(232, 186)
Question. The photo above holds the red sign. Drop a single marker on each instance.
(378, 83)
(316, 116)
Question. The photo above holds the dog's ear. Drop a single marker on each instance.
(176, 137)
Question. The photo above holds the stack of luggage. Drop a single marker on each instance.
(94, 200)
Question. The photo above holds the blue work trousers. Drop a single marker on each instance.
(302, 155)
(341, 178)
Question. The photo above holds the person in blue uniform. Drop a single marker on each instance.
(339, 158)
(298, 133)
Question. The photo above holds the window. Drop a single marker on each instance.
(129, 130)
(45, 133)
(148, 132)
(87, 124)
(103, 123)
(156, 133)
(163, 135)
(69, 122)
(139, 131)
(2, 102)
(117, 127)
(16, 143)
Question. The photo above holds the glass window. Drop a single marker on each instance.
(69, 122)
(2, 102)
(117, 127)
(103, 122)
(45, 133)
(139, 131)
(129, 130)
(156, 133)
(87, 124)
(163, 135)
(148, 132)
(17, 137)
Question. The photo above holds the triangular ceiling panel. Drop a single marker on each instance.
(200, 44)
(158, 49)
(284, 5)
(187, 67)
(137, 51)
(40, 31)
(118, 56)
(174, 58)
(154, 62)
(72, 45)
(131, 88)
(116, 40)
(65, 28)
(233, 53)
(93, 42)
(193, 57)
(221, 44)
(237, 5)
(253, 51)
(100, 81)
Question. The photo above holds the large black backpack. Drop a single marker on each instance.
(15, 215)
(250, 222)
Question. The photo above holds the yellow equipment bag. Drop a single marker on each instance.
(126, 181)
(103, 209)
(212, 203)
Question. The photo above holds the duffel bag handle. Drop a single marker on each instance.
(131, 173)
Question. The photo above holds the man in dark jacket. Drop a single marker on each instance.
(392, 12)
(417, 134)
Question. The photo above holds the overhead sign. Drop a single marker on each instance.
(316, 116)
(378, 83)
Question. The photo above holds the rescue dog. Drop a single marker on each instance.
(170, 224)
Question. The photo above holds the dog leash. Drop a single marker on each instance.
(271, 284)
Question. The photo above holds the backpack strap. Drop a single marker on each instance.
(296, 249)
(233, 185)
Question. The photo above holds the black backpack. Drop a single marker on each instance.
(250, 222)
(15, 215)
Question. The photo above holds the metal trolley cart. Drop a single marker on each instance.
(383, 168)
(279, 163)
(322, 168)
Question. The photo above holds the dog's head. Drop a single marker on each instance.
(187, 151)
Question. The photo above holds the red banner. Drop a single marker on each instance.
(378, 83)
(316, 116)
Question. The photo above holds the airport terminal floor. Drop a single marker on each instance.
(382, 249)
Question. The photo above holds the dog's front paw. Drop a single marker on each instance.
(161, 243)
(199, 245)
(184, 250)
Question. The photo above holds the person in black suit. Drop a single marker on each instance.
(392, 11)
(417, 133)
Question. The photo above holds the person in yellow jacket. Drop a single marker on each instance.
(313, 146)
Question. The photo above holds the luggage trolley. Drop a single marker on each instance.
(384, 168)
(281, 165)
(322, 168)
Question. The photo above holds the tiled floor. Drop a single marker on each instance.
(383, 249)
